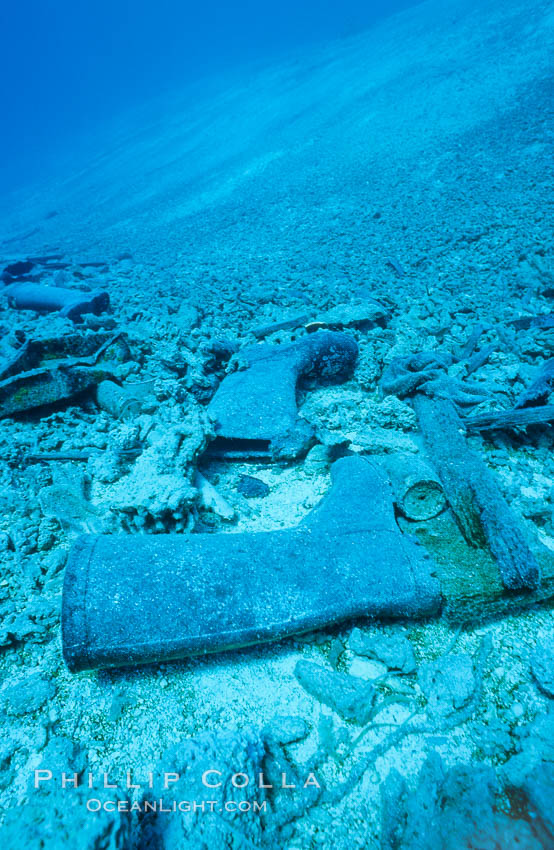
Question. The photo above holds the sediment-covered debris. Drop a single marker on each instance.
(53, 817)
(26, 695)
(363, 315)
(482, 513)
(542, 666)
(395, 650)
(71, 304)
(350, 415)
(255, 409)
(66, 501)
(47, 371)
(347, 558)
(123, 401)
(448, 683)
(211, 500)
(146, 476)
(418, 493)
(252, 488)
(225, 756)
(451, 234)
(350, 696)
(450, 809)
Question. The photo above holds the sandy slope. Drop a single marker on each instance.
(375, 115)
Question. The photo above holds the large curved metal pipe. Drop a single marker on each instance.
(72, 303)
(254, 409)
(131, 599)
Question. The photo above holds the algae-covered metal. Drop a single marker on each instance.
(132, 599)
(255, 409)
(48, 371)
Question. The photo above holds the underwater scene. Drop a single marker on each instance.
(276, 409)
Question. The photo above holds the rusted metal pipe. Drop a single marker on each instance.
(72, 303)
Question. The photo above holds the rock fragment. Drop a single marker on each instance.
(450, 810)
(16, 627)
(395, 651)
(26, 695)
(252, 488)
(232, 753)
(448, 683)
(350, 696)
(286, 729)
(535, 744)
(54, 818)
(539, 791)
(66, 502)
(62, 755)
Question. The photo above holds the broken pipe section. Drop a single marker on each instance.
(418, 493)
(255, 410)
(71, 303)
(135, 599)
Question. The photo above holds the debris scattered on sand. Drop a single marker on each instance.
(71, 304)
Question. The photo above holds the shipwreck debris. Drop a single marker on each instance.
(530, 407)
(509, 420)
(542, 667)
(447, 682)
(67, 502)
(212, 500)
(404, 375)
(192, 594)
(365, 315)
(71, 303)
(253, 488)
(255, 409)
(482, 513)
(418, 493)
(17, 270)
(47, 371)
(350, 696)
(287, 324)
(546, 320)
(393, 650)
(124, 400)
(540, 389)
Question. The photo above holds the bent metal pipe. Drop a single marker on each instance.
(134, 599)
(71, 303)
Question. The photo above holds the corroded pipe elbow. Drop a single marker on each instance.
(72, 303)
(132, 599)
(255, 409)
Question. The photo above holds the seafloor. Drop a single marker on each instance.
(413, 165)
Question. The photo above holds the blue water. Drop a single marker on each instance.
(67, 67)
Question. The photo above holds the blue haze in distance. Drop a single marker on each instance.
(66, 67)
